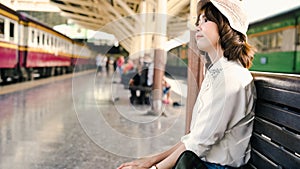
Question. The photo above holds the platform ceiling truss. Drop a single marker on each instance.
(30, 5)
(99, 14)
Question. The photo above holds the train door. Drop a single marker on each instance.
(297, 46)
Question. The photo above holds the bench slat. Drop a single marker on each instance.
(280, 81)
(289, 119)
(278, 135)
(275, 153)
(260, 162)
(284, 97)
(141, 88)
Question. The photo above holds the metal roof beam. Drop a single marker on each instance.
(178, 7)
(119, 27)
(152, 2)
(81, 2)
(172, 3)
(118, 16)
(120, 32)
(87, 25)
(126, 43)
(128, 10)
(29, 5)
(83, 18)
(75, 10)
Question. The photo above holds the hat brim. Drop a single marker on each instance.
(233, 11)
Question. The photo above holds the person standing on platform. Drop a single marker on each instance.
(98, 63)
(115, 64)
(222, 120)
(107, 64)
(120, 63)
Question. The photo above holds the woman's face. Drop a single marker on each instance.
(207, 36)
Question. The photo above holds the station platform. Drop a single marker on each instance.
(81, 121)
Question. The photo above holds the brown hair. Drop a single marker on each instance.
(233, 43)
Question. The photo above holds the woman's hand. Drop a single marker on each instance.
(144, 163)
(132, 167)
(166, 159)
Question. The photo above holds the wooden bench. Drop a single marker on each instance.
(275, 140)
(147, 89)
(125, 78)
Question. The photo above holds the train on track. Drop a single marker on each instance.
(29, 48)
(277, 40)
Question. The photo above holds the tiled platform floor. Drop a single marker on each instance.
(83, 121)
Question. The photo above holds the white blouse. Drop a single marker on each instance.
(223, 114)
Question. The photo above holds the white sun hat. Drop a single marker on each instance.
(234, 11)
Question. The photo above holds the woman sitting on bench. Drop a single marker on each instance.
(222, 117)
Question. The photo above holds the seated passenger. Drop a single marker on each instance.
(139, 83)
(133, 87)
(166, 91)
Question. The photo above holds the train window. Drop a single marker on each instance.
(38, 38)
(256, 41)
(11, 30)
(279, 39)
(25, 35)
(55, 42)
(1, 28)
(51, 41)
(265, 42)
(47, 40)
(32, 36)
(43, 39)
(269, 41)
(298, 35)
(273, 40)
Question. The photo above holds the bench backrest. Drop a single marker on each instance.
(276, 140)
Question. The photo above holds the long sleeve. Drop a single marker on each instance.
(222, 103)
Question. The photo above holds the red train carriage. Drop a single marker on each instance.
(83, 57)
(8, 43)
(45, 51)
(29, 48)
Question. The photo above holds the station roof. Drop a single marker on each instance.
(99, 14)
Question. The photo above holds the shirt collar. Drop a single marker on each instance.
(215, 69)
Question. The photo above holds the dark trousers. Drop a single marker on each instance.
(189, 160)
(137, 99)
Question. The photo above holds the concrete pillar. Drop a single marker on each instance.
(137, 50)
(134, 52)
(159, 55)
(142, 24)
(150, 28)
(195, 68)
